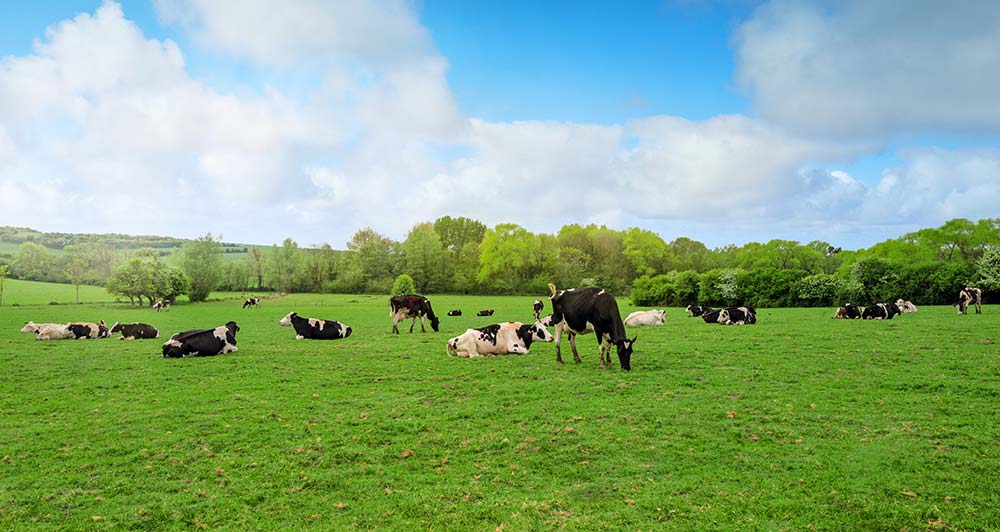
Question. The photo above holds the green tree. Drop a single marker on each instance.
(132, 279)
(201, 261)
(988, 269)
(877, 278)
(647, 252)
(255, 265)
(403, 286)
(32, 262)
(4, 272)
(508, 257)
(374, 261)
(284, 266)
(77, 270)
(423, 256)
(235, 276)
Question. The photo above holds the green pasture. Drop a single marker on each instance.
(17, 292)
(800, 422)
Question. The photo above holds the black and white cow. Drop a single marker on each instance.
(537, 307)
(83, 330)
(970, 296)
(849, 311)
(162, 304)
(253, 302)
(738, 316)
(697, 310)
(315, 329)
(411, 306)
(486, 312)
(202, 342)
(711, 316)
(498, 339)
(880, 311)
(456, 312)
(135, 331)
(578, 310)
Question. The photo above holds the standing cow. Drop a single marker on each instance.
(411, 306)
(577, 310)
(970, 296)
(202, 342)
(163, 304)
(537, 307)
(498, 339)
(315, 329)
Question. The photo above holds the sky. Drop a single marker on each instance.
(727, 122)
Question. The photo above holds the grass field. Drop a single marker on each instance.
(799, 422)
(17, 292)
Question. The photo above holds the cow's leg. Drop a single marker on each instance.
(412, 323)
(395, 323)
(422, 325)
(572, 343)
(979, 307)
(557, 337)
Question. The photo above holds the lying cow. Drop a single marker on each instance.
(162, 304)
(970, 296)
(32, 327)
(48, 331)
(697, 310)
(880, 311)
(537, 307)
(498, 339)
(711, 316)
(315, 329)
(202, 342)
(646, 317)
(455, 312)
(84, 330)
(848, 312)
(738, 316)
(487, 312)
(253, 302)
(135, 331)
(905, 305)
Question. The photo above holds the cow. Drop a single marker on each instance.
(487, 312)
(252, 302)
(49, 331)
(880, 311)
(577, 310)
(202, 342)
(32, 327)
(163, 304)
(905, 305)
(967, 296)
(738, 316)
(411, 306)
(645, 317)
(848, 312)
(135, 331)
(315, 329)
(456, 312)
(84, 330)
(498, 339)
(711, 316)
(697, 310)
(537, 307)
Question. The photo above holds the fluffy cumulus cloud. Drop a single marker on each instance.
(873, 68)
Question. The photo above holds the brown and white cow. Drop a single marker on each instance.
(970, 296)
(498, 339)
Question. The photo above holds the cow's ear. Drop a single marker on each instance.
(634, 338)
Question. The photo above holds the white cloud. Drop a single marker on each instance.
(873, 68)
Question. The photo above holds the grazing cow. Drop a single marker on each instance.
(646, 317)
(315, 329)
(84, 330)
(412, 306)
(49, 331)
(202, 342)
(880, 311)
(253, 302)
(970, 296)
(738, 316)
(135, 331)
(487, 312)
(162, 304)
(537, 307)
(498, 339)
(697, 310)
(578, 310)
(848, 312)
(456, 312)
(905, 305)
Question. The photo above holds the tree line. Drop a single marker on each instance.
(462, 255)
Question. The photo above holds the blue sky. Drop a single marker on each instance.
(727, 122)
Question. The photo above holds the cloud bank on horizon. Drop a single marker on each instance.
(348, 120)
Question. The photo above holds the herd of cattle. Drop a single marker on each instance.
(574, 311)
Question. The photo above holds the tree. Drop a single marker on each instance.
(235, 276)
(374, 262)
(201, 261)
(77, 269)
(4, 272)
(32, 262)
(403, 286)
(423, 255)
(508, 257)
(988, 268)
(133, 279)
(255, 265)
(284, 266)
(877, 278)
(647, 252)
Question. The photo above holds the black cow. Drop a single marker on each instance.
(970, 296)
(456, 312)
(253, 302)
(697, 310)
(880, 311)
(577, 310)
(849, 311)
(202, 342)
(711, 316)
(487, 312)
(135, 331)
(411, 306)
(82, 330)
(315, 329)
(162, 304)
(537, 307)
(738, 316)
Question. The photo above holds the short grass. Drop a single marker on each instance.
(799, 422)
(17, 292)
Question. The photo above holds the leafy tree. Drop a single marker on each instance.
(77, 269)
(32, 262)
(4, 272)
(201, 261)
(819, 290)
(508, 257)
(647, 252)
(284, 266)
(690, 254)
(374, 261)
(720, 287)
(255, 265)
(423, 255)
(318, 267)
(132, 279)
(455, 233)
(403, 286)
(877, 278)
(988, 269)
(235, 276)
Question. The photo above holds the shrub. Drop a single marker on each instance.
(403, 286)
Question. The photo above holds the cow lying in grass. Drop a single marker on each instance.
(135, 331)
(202, 342)
(315, 329)
(498, 339)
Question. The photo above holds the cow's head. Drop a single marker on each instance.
(347, 330)
(29, 328)
(663, 315)
(233, 328)
(287, 320)
(624, 348)
(435, 322)
(117, 327)
(102, 330)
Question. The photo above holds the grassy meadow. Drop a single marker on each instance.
(800, 422)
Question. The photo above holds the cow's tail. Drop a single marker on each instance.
(449, 349)
(552, 288)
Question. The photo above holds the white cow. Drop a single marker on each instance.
(645, 317)
(905, 305)
(498, 339)
(54, 331)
